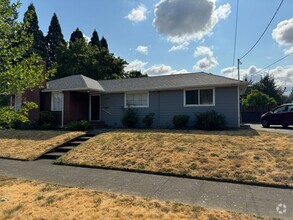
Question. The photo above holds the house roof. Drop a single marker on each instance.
(74, 82)
(169, 82)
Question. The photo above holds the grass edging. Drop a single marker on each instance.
(262, 184)
(19, 159)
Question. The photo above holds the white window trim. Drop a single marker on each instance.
(198, 105)
(137, 106)
(52, 101)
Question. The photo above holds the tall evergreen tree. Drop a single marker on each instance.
(104, 43)
(95, 41)
(39, 42)
(267, 85)
(76, 35)
(54, 39)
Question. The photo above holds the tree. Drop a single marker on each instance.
(95, 41)
(256, 99)
(76, 35)
(104, 43)
(267, 85)
(39, 41)
(54, 39)
(135, 74)
(90, 61)
(19, 70)
(290, 97)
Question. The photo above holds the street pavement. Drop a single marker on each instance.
(262, 201)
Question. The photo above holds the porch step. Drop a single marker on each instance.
(65, 147)
(98, 124)
(53, 155)
(75, 143)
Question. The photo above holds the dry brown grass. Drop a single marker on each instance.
(241, 155)
(28, 145)
(22, 199)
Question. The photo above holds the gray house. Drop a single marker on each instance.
(78, 97)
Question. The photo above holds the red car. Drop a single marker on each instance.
(282, 115)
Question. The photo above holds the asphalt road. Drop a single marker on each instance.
(273, 128)
(262, 201)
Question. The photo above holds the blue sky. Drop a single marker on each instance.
(168, 37)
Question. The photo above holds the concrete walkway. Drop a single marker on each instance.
(235, 197)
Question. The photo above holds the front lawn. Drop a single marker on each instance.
(23, 199)
(28, 145)
(240, 155)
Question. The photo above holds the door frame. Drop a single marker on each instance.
(90, 107)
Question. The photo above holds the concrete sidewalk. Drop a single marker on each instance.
(235, 197)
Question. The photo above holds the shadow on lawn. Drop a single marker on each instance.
(34, 135)
(249, 132)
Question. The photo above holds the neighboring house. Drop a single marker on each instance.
(78, 97)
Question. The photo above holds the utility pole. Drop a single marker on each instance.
(238, 66)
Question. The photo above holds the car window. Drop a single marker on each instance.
(290, 108)
(280, 109)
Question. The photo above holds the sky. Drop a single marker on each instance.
(161, 37)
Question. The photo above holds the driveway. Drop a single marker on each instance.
(273, 128)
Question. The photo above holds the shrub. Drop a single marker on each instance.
(180, 121)
(11, 118)
(148, 120)
(130, 118)
(210, 120)
(81, 125)
(47, 120)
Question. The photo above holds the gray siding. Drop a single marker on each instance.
(166, 104)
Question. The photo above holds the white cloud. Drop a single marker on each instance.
(208, 62)
(135, 65)
(142, 49)
(288, 51)
(137, 14)
(161, 69)
(183, 46)
(223, 11)
(87, 38)
(186, 20)
(282, 75)
(155, 70)
(283, 35)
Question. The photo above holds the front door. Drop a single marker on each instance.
(95, 108)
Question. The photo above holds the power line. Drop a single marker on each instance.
(235, 35)
(263, 31)
(274, 63)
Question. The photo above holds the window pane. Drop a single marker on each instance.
(191, 97)
(206, 97)
(18, 101)
(136, 99)
(57, 101)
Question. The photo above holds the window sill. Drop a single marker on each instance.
(207, 105)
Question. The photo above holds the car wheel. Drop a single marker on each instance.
(265, 124)
(285, 126)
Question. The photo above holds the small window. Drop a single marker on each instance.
(18, 101)
(199, 97)
(57, 101)
(137, 100)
